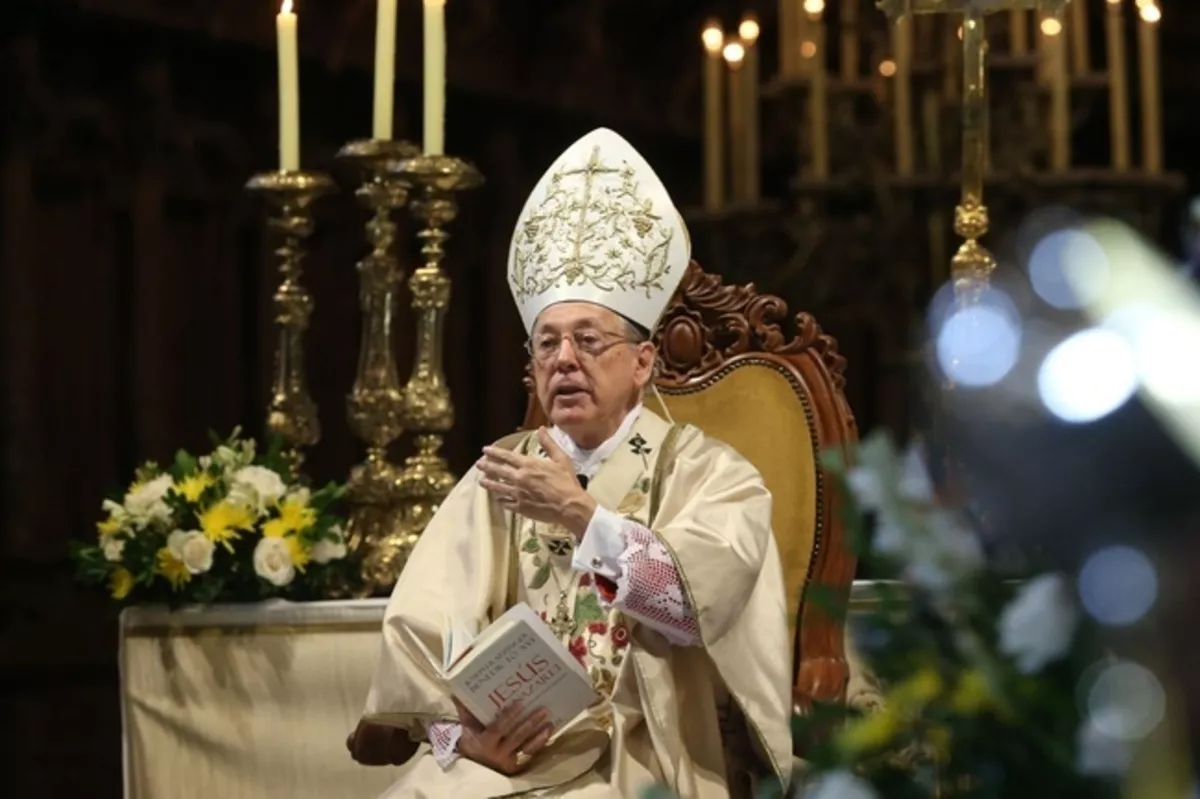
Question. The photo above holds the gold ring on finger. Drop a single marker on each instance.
(522, 758)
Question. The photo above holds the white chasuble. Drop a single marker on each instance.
(658, 720)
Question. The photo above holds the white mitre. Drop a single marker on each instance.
(599, 227)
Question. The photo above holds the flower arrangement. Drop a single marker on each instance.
(981, 673)
(232, 525)
(992, 687)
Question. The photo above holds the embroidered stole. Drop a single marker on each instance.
(624, 484)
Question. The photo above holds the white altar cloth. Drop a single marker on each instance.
(248, 701)
(255, 701)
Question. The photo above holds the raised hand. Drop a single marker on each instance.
(542, 489)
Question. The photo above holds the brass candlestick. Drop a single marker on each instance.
(292, 414)
(972, 265)
(375, 404)
(428, 411)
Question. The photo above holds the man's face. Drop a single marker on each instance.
(587, 372)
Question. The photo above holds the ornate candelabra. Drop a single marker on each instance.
(291, 414)
(428, 411)
(973, 264)
(375, 404)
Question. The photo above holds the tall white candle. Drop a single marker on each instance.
(1055, 42)
(819, 116)
(735, 54)
(713, 39)
(1019, 31)
(748, 30)
(1080, 50)
(1118, 84)
(435, 77)
(849, 47)
(789, 44)
(289, 88)
(385, 69)
(1150, 16)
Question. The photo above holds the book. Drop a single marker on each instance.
(515, 659)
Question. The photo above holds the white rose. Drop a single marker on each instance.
(113, 548)
(273, 561)
(1037, 626)
(326, 550)
(839, 785)
(145, 503)
(175, 543)
(196, 552)
(256, 487)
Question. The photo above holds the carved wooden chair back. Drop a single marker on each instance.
(728, 367)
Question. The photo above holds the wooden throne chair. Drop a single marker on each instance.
(729, 366)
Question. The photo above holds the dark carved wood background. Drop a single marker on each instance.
(135, 283)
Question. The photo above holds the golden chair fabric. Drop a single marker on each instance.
(730, 369)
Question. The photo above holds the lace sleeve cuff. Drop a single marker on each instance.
(638, 577)
(443, 737)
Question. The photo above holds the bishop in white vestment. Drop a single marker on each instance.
(646, 546)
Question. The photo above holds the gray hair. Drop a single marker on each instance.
(635, 334)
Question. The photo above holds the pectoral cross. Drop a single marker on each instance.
(562, 624)
(972, 263)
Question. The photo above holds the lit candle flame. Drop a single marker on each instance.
(1051, 26)
(713, 38)
(734, 53)
(287, 7)
(1150, 12)
(749, 30)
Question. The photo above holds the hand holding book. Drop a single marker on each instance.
(509, 743)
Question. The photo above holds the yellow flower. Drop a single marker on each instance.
(917, 691)
(939, 740)
(294, 516)
(222, 522)
(871, 732)
(192, 487)
(109, 526)
(121, 582)
(298, 550)
(172, 568)
(972, 694)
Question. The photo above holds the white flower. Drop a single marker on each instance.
(945, 550)
(235, 457)
(115, 510)
(256, 487)
(326, 550)
(113, 548)
(915, 483)
(1037, 626)
(195, 549)
(839, 785)
(933, 545)
(175, 543)
(273, 561)
(1099, 754)
(145, 504)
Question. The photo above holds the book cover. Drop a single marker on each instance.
(517, 659)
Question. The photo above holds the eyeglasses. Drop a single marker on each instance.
(587, 344)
